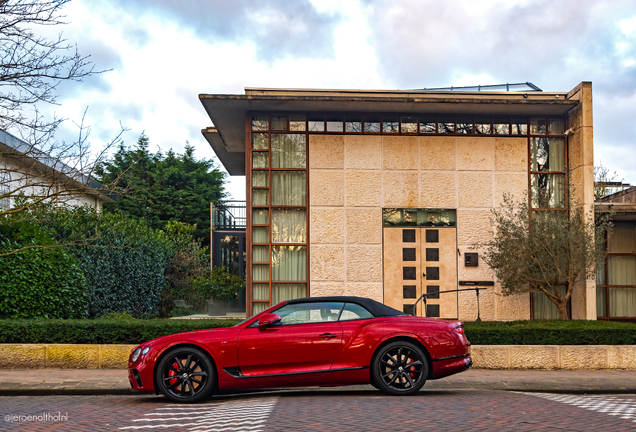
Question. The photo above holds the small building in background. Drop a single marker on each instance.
(25, 169)
(616, 279)
(383, 194)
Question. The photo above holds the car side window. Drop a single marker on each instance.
(354, 311)
(308, 313)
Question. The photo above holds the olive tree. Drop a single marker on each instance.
(546, 251)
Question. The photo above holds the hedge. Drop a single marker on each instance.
(572, 332)
(99, 331)
(134, 331)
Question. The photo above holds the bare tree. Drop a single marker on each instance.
(36, 169)
(603, 181)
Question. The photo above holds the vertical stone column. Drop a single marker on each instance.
(581, 182)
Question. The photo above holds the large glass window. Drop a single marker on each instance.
(547, 165)
(279, 205)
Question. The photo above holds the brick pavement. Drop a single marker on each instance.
(115, 381)
(328, 410)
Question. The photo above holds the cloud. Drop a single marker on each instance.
(279, 28)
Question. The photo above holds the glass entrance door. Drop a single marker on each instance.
(418, 260)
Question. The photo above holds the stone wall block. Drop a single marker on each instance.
(327, 263)
(513, 307)
(327, 289)
(622, 356)
(369, 290)
(327, 151)
(326, 225)
(515, 185)
(326, 188)
(473, 227)
(364, 263)
(438, 189)
(73, 356)
(399, 152)
(583, 357)
(364, 226)
(475, 153)
(114, 356)
(475, 190)
(511, 154)
(363, 152)
(490, 356)
(363, 188)
(534, 357)
(400, 189)
(22, 356)
(437, 153)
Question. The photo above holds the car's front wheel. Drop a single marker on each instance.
(186, 375)
(400, 368)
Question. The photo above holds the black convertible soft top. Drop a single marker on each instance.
(377, 309)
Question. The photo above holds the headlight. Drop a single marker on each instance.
(135, 355)
(145, 351)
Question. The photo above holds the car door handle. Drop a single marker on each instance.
(328, 335)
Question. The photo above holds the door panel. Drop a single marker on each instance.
(288, 348)
(418, 260)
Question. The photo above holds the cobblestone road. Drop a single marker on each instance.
(327, 410)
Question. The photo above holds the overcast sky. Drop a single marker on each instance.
(163, 53)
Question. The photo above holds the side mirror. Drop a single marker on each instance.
(268, 319)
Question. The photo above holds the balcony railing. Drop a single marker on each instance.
(229, 215)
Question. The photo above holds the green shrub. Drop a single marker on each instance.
(566, 332)
(123, 260)
(100, 331)
(39, 282)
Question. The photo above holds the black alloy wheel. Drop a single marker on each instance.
(185, 375)
(400, 368)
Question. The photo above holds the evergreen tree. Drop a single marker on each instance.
(162, 188)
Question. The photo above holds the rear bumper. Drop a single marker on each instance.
(450, 366)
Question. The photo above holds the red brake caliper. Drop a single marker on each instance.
(173, 373)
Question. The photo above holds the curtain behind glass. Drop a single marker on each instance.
(260, 254)
(622, 302)
(260, 235)
(289, 263)
(543, 308)
(622, 270)
(260, 217)
(288, 151)
(288, 188)
(289, 226)
(260, 291)
(600, 302)
(548, 154)
(282, 292)
(260, 272)
(258, 308)
(623, 239)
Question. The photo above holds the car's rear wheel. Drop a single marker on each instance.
(185, 374)
(400, 368)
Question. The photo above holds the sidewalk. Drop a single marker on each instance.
(27, 382)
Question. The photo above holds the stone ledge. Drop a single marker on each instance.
(76, 356)
(551, 357)
(520, 357)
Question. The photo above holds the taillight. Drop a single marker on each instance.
(459, 329)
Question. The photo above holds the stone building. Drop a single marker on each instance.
(383, 194)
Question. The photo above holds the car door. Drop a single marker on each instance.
(306, 340)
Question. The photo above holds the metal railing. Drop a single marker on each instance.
(423, 297)
(229, 215)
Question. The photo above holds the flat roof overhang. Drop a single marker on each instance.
(228, 112)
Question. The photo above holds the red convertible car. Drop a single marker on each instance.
(317, 341)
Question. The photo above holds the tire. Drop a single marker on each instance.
(399, 368)
(185, 375)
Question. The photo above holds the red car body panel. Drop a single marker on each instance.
(317, 354)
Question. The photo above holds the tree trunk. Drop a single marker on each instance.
(563, 310)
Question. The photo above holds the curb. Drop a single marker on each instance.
(66, 392)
